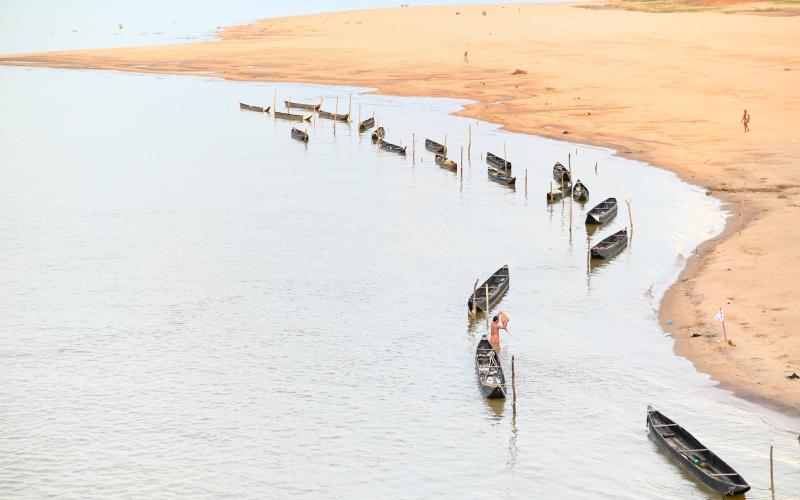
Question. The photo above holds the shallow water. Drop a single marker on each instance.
(196, 305)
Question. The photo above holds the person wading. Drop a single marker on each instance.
(745, 121)
(497, 325)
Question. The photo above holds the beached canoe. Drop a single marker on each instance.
(292, 117)
(602, 212)
(493, 159)
(489, 370)
(435, 147)
(611, 245)
(500, 177)
(394, 148)
(333, 116)
(446, 163)
(299, 135)
(257, 109)
(497, 285)
(366, 124)
(561, 174)
(378, 134)
(701, 462)
(302, 105)
(580, 192)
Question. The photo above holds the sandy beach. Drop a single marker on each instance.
(666, 88)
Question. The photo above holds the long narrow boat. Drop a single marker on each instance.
(446, 163)
(378, 134)
(302, 105)
(489, 370)
(497, 284)
(292, 117)
(435, 147)
(701, 462)
(611, 245)
(257, 109)
(299, 135)
(580, 192)
(602, 212)
(366, 124)
(394, 148)
(333, 116)
(493, 159)
(501, 178)
(561, 174)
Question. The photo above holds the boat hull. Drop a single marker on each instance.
(498, 285)
(491, 378)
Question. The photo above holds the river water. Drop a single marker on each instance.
(195, 305)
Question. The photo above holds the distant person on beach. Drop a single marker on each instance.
(466, 57)
(745, 121)
(494, 337)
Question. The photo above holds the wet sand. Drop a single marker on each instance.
(668, 89)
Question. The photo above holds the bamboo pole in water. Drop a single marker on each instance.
(630, 215)
(274, 100)
(475, 298)
(526, 182)
(469, 144)
(487, 305)
(445, 146)
(461, 165)
(570, 202)
(771, 477)
(413, 149)
(505, 161)
(350, 106)
(514, 385)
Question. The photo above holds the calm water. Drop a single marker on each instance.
(194, 305)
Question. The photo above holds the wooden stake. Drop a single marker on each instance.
(741, 210)
(475, 298)
(350, 105)
(505, 161)
(487, 305)
(274, 99)
(336, 111)
(445, 145)
(461, 165)
(771, 477)
(630, 215)
(413, 149)
(469, 143)
(526, 182)
(287, 103)
(570, 220)
(724, 332)
(514, 384)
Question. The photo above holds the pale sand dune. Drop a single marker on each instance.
(665, 88)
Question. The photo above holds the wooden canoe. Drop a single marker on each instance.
(690, 453)
(299, 135)
(493, 159)
(446, 163)
(394, 148)
(500, 177)
(378, 134)
(302, 105)
(257, 109)
(498, 285)
(292, 117)
(435, 147)
(602, 212)
(366, 124)
(489, 370)
(580, 192)
(561, 174)
(611, 245)
(333, 116)
(554, 195)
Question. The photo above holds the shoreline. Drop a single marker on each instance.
(663, 130)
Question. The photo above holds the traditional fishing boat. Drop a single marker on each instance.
(302, 105)
(494, 288)
(333, 116)
(611, 245)
(435, 147)
(378, 134)
(561, 174)
(250, 107)
(501, 178)
(493, 159)
(554, 195)
(366, 124)
(299, 135)
(580, 192)
(489, 370)
(602, 212)
(394, 148)
(292, 117)
(701, 462)
(446, 163)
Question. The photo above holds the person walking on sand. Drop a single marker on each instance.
(494, 337)
(466, 57)
(745, 121)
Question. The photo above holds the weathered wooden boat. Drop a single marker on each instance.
(299, 135)
(366, 124)
(500, 177)
(446, 163)
(333, 116)
(435, 147)
(701, 462)
(554, 195)
(302, 105)
(257, 109)
(489, 370)
(602, 212)
(561, 174)
(493, 159)
(292, 117)
(611, 245)
(394, 148)
(580, 192)
(378, 134)
(497, 285)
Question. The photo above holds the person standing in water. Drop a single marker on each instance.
(745, 121)
(494, 337)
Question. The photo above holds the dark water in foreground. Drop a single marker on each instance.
(195, 305)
